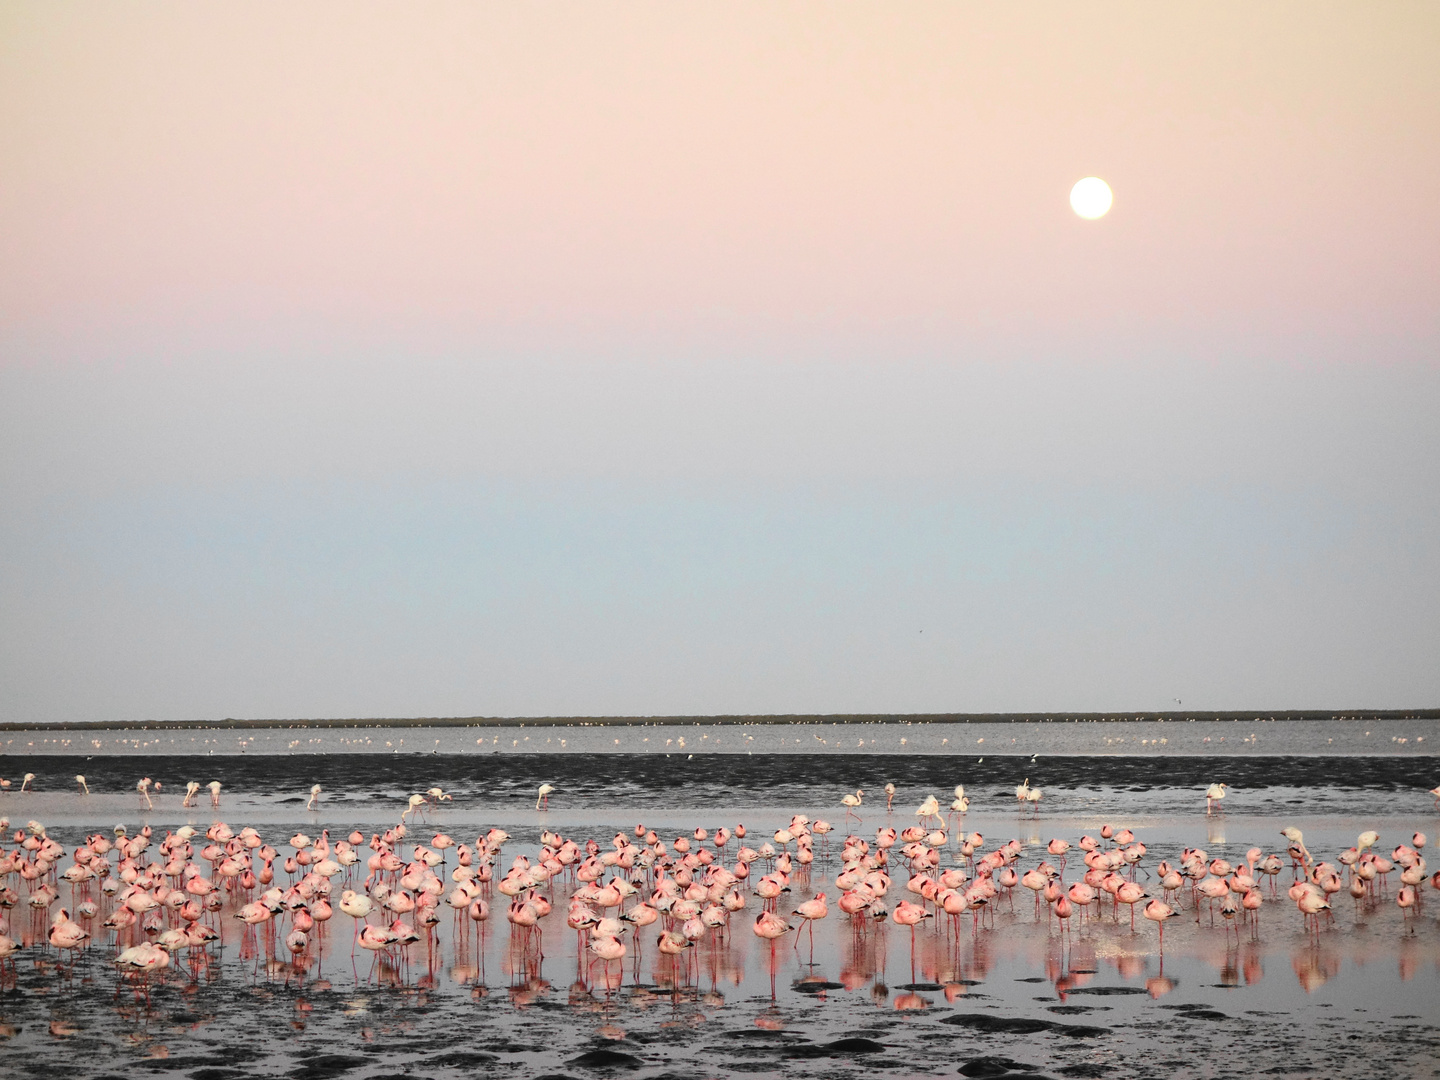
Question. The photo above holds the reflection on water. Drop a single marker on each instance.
(1004, 977)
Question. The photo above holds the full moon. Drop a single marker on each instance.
(1091, 198)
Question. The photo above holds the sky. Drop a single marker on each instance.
(492, 359)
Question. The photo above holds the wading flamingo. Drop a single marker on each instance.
(1213, 794)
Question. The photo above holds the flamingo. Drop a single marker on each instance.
(810, 911)
(1033, 797)
(314, 797)
(961, 803)
(770, 927)
(1157, 911)
(84, 787)
(928, 809)
(191, 790)
(543, 799)
(889, 797)
(1213, 794)
(850, 802)
(214, 787)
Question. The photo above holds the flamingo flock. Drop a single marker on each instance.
(149, 898)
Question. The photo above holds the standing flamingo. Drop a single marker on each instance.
(1157, 911)
(1213, 794)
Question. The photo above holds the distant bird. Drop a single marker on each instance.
(214, 787)
(1213, 794)
(191, 790)
(543, 797)
(889, 796)
(314, 797)
(84, 787)
(143, 787)
(24, 784)
(851, 802)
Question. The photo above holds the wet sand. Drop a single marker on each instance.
(1009, 996)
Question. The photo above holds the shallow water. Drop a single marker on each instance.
(1150, 738)
(1098, 1000)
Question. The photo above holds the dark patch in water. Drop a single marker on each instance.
(604, 1058)
(1107, 991)
(461, 1059)
(325, 1066)
(817, 986)
(855, 1046)
(838, 1048)
(992, 1066)
(1004, 1025)
(921, 986)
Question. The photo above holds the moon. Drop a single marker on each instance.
(1091, 198)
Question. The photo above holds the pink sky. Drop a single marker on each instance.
(466, 358)
(791, 176)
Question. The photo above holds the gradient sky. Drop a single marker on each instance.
(368, 359)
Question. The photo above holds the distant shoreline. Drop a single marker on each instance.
(230, 723)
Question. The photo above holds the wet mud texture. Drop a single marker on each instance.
(233, 1029)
